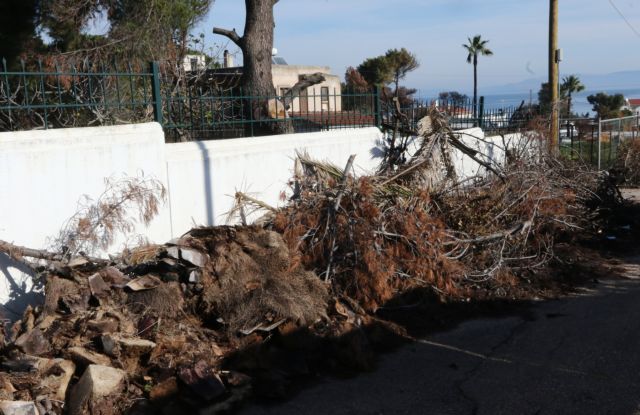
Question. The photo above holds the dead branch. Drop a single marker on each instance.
(305, 82)
(231, 34)
(332, 214)
(521, 227)
(18, 252)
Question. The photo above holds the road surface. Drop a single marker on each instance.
(576, 355)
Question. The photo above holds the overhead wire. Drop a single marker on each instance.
(624, 18)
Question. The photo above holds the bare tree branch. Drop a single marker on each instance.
(305, 82)
(231, 34)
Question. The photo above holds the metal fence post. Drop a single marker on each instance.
(599, 142)
(481, 113)
(156, 93)
(377, 106)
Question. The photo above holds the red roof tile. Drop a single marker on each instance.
(634, 101)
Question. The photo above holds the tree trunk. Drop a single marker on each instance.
(257, 79)
(569, 105)
(257, 48)
(475, 87)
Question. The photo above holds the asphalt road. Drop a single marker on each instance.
(577, 355)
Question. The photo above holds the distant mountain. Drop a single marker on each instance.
(593, 82)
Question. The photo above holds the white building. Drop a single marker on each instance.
(193, 62)
(325, 96)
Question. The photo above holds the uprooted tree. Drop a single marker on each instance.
(256, 45)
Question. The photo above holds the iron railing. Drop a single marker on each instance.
(189, 105)
(83, 94)
(201, 105)
(462, 114)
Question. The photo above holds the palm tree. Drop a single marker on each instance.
(570, 84)
(475, 47)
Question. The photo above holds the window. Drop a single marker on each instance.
(324, 94)
(194, 64)
(324, 98)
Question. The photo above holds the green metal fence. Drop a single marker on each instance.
(82, 94)
(189, 105)
(237, 114)
(201, 105)
(461, 114)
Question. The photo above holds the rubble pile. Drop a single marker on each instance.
(419, 226)
(155, 327)
(195, 324)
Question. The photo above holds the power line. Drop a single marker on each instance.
(624, 18)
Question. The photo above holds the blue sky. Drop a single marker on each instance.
(342, 33)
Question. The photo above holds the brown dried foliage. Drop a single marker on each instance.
(98, 222)
(251, 279)
(627, 162)
(419, 226)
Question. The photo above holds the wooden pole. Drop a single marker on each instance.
(553, 75)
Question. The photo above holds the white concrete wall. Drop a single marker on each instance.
(204, 176)
(491, 149)
(43, 175)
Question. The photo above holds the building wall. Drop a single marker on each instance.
(194, 62)
(286, 76)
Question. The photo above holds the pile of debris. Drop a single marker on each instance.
(418, 225)
(155, 327)
(179, 327)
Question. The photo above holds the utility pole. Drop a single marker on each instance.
(553, 75)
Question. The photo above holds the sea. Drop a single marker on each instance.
(579, 102)
(580, 105)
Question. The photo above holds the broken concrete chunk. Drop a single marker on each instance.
(18, 408)
(33, 343)
(135, 346)
(203, 381)
(195, 277)
(78, 262)
(192, 256)
(96, 382)
(56, 378)
(113, 276)
(97, 285)
(146, 282)
(83, 357)
(109, 346)
(173, 252)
